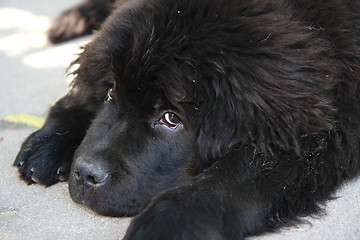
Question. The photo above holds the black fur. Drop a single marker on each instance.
(269, 100)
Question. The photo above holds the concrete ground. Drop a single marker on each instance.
(31, 78)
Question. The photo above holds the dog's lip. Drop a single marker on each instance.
(82, 195)
(77, 191)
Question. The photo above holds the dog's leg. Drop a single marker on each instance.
(201, 209)
(46, 155)
(80, 20)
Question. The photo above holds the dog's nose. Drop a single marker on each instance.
(91, 174)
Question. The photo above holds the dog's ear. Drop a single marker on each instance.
(265, 102)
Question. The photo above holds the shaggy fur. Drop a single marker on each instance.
(213, 119)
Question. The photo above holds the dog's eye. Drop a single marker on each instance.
(170, 119)
(110, 94)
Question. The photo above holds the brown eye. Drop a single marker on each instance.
(110, 94)
(170, 119)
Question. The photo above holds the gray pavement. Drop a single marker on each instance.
(31, 78)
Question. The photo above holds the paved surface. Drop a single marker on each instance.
(31, 78)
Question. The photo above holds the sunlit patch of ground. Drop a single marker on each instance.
(23, 34)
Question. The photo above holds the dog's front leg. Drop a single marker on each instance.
(224, 202)
(46, 155)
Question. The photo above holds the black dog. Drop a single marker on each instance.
(220, 118)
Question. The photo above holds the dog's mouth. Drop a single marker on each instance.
(102, 198)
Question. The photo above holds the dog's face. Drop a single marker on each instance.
(132, 151)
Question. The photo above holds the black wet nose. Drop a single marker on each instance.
(91, 174)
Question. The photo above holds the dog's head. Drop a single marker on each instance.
(179, 85)
(132, 151)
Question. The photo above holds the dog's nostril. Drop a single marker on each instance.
(96, 180)
(91, 180)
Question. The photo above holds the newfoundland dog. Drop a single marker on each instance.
(210, 119)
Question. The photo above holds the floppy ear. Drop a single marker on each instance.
(266, 99)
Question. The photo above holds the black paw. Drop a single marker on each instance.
(177, 217)
(71, 24)
(45, 157)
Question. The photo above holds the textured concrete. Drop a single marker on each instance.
(31, 78)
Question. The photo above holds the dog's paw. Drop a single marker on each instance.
(156, 223)
(71, 24)
(174, 217)
(44, 158)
